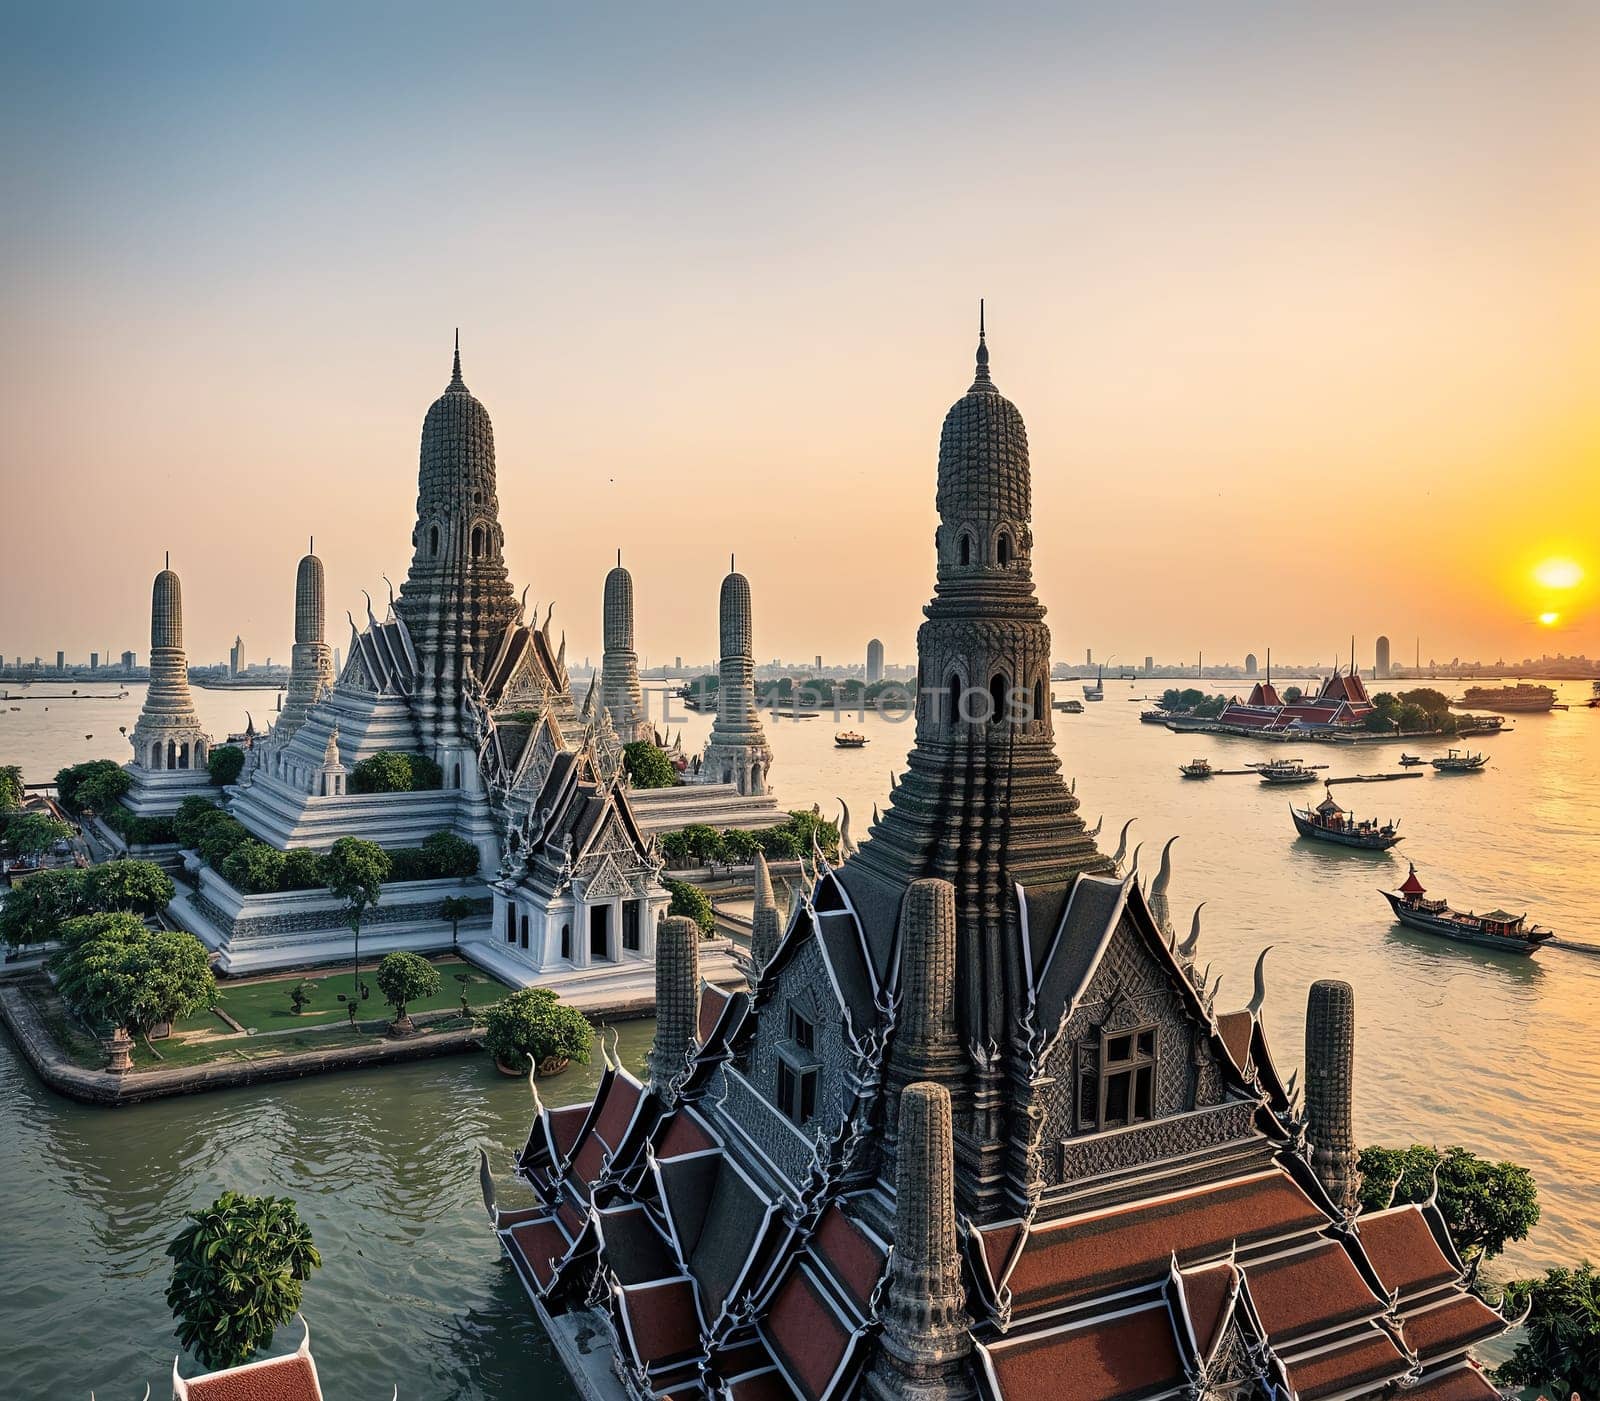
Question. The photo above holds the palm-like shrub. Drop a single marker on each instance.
(239, 1269)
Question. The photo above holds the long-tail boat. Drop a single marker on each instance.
(1328, 822)
(1458, 762)
(1494, 930)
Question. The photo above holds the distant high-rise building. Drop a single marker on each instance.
(61, 661)
(677, 663)
(129, 661)
(94, 661)
(1088, 656)
(236, 656)
(874, 662)
(1249, 663)
(1149, 663)
(1380, 667)
(819, 661)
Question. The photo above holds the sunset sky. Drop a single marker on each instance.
(1301, 305)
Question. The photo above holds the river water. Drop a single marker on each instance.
(1454, 1045)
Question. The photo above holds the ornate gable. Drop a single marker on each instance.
(538, 755)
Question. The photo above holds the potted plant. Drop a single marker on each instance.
(534, 1024)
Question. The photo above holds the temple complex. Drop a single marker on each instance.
(977, 1127)
(169, 747)
(619, 666)
(458, 672)
(1341, 703)
(737, 752)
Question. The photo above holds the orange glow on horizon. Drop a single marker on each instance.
(1559, 574)
(1549, 619)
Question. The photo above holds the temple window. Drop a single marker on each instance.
(964, 548)
(433, 541)
(566, 942)
(1002, 550)
(1040, 701)
(630, 925)
(511, 924)
(798, 1069)
(952, 698)
(1116, 1079)
(999, 698)
(524, 931)
(477, 541)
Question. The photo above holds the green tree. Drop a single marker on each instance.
(253, 867)
(692, 901)
(193, 819)
(384, 772)
(114, 972)
(648, 765)
(534, 1023)
(238, 1272)
(225, 764)
(11, 790)
(68, 780)
(222, 836)
(301, 994)
(450, 855)
(740, 846)
(355, 871)
(455, 908)
(1434, 702)
(1560, 1343)
(138, 887)
(1484, 1203)
(675, 847)
(302, 870)
(1292, 694)
(406, 977)
(40, 904)
(34, 833)
(1412, 718)
(103, 790)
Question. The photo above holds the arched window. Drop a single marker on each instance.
(566, 942)
(1040, 701)
(954, 686)
(477, 541)
(1002, 550)
(965, 548)
(172, 754)
(433, 542)
(155, 755)
(999, 698)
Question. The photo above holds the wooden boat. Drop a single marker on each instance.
(1328, 822)
(1098, 690)
(1522, 697)
(1495, 930)
(1287, 771)
(1459, 761)
(1070, 707)
(1196, 768)
(1410, 761)
(849, 739)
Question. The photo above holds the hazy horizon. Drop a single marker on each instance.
(1299, 308)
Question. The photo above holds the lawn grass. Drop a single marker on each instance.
(177, 1052)
(265, 1006)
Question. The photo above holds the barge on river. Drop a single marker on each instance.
(1328, 822)
(1495, 930)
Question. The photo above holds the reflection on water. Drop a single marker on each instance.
(1456, 1044)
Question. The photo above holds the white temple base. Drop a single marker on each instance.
(624, 988)
(719, 805)
(160, 792)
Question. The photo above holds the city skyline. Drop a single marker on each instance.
(1218, 287)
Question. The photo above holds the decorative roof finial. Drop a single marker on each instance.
(619, 559)
(168, 564)
(455, 368)
(311, 545)
(982, 376)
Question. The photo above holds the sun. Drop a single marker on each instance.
(1549, 619)
(1559, 574)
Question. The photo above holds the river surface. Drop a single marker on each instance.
(1455, 1045)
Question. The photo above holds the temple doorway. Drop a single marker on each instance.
(600, 931)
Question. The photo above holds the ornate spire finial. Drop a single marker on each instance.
(311, 545)
(168, 564)
(982, 376)
(619, 559)
(455, 368)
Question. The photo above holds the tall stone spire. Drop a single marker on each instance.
(310, 661)
(982, 804)
(619, 665)
(1330, 1072)
(925, 1045)
(457, 600)
(765, 928)
(677, 1000)
(925, 1344)
(737, 751)
(170, 750)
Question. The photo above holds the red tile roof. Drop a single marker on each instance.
(1206, 1292)
(761, 1386)
(1108, 1359)
(806, 1333)
(1311, 1289)
(1235, 1028)
(617, 1113)
(851, 1257)
(712, 1000)
(1451, 1326)
(291, 1378)
(590, 1157)
(1084, 1255)
(1367, 1361)
(1459, 1383)
(1411, 885)
(661, 1320)
(1403, 1251)
(564, 1126)
(539, 1243)
(683, 1135)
